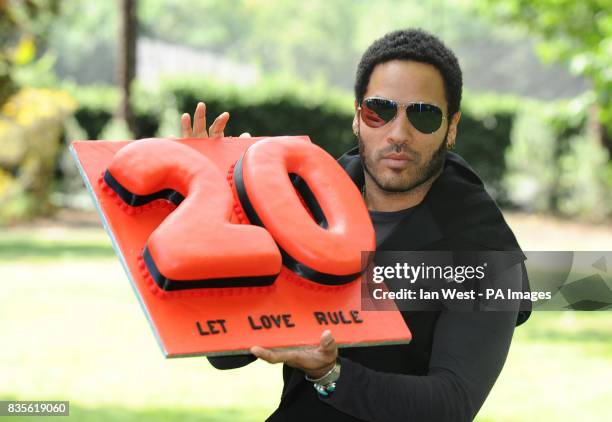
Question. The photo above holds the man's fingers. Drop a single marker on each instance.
(199, 121)
(218, 126)
(186, 126)
(245, 135)
(262, 353)
(216, 130)
(265, 354)
(273, 356)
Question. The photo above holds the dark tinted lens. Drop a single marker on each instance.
(377, 112)
(426, 118)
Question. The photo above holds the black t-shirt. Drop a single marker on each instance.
(384, 222)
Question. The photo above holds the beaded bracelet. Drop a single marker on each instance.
(326, 384)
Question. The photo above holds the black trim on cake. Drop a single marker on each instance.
(168, 284)
(309, 199)
(294, 265)
(134, 200)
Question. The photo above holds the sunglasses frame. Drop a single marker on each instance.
(403, 106)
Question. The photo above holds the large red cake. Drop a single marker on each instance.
(235, 242)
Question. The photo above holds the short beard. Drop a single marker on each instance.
(431, 169)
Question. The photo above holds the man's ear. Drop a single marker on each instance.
(452, 130)
(355, 120)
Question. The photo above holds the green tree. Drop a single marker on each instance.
(316, 40)
(23, 25)
(304, 39)
(576, 32)
(313, 40)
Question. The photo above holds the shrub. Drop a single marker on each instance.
(31, 123)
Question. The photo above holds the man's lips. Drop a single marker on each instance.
(396, 161)
(398, 157)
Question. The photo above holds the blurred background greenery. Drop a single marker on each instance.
(536, 125)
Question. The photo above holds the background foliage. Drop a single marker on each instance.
(535, 155)
(576, 32)
(516, 145)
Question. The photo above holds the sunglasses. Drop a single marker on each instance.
(377, 112)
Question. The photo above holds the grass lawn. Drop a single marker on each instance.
(71, 329)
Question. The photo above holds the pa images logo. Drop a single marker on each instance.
(590, 293)
(577, 280)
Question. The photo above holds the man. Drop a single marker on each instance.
(420, 197)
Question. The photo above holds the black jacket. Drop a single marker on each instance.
(421, 380)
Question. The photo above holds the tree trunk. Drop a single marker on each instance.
(126, 63)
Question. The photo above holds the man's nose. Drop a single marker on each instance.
(401, 129)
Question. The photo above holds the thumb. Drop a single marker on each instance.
(327, 342)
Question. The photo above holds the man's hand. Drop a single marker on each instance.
(199, 124)
(314, 361)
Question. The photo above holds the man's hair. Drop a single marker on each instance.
(416, 45)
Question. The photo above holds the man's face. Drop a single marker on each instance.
(396, 156)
